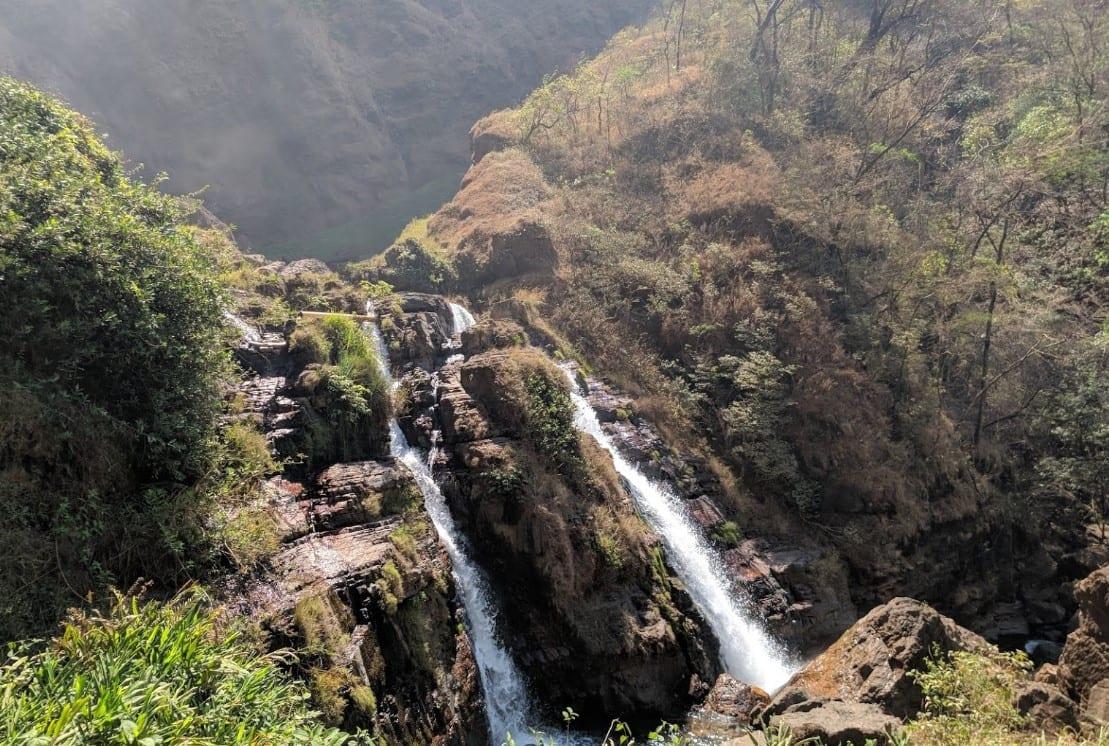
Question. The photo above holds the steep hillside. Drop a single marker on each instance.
(300, 116)
(854, 256)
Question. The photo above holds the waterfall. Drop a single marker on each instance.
(747, 651)
(508, 705)
(461, 319)
(250, 334)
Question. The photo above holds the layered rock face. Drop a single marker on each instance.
(360, 580)
(300, 115)
(590, 610)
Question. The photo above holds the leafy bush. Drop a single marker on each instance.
(112, 361)
(410, 265)
(968, 698)
(549, 418)
(153, 673)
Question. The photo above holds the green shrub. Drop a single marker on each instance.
(728, 533)
(113, 361)
(968, 698)
(152, 673)
(310, 345)
(549, 418)
(410, 265)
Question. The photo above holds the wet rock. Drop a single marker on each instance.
(1085, 658)
(802, 593)
(838, 722)
(735, 700)
(1043, 651)
(872, 660)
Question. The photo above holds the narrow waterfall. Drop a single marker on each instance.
(250, 334)
(747, 651)
(508, 705)
(461, 319)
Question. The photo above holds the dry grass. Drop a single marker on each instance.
(498, 195)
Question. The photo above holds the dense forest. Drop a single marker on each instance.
(829, 277)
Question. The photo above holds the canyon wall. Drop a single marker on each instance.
(316, 126)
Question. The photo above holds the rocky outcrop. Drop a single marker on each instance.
(418, 330)
(556, 530)
(494, 228)
(360, 581)
(1085, 658)
(872, 661)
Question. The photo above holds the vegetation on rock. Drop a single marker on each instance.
(859, 251)
(111, 369)
(147, 673)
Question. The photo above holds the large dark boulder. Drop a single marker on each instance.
(872, 661)
(1085, 658)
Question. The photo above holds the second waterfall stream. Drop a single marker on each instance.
(747, 651)
(508, 705)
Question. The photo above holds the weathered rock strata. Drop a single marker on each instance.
(360, 580)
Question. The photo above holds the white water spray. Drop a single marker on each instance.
(461, 319)
(250, 333)
(508, 705)
(747, 651)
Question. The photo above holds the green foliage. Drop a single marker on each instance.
(349, 388)
(391, 586)
(549, 418)
(968, 697)
(410, 265)
(113, 359)
(152, 673)
(728, 533)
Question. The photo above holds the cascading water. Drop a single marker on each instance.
(747, 651)
(507, 702)
(461, 319)
(250, 334)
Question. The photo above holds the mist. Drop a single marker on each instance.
(315, 127)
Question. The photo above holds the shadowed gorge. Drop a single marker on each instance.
(319, 128)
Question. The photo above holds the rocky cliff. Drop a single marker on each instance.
(357, 579)
(300, 116)
(591, 611)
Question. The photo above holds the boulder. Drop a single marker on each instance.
(872, 660)
(736, 700)
(1097, 704)
(1085, 658)
(838, 722)
(304, 267)
(1046, 708)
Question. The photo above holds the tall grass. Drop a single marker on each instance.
(153, 673)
